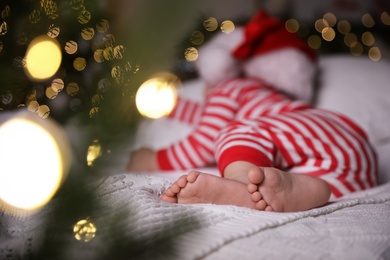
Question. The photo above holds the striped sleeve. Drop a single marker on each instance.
(197, 149)
(186, 111)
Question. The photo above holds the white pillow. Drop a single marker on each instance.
(360, 88)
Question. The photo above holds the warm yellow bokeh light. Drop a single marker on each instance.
(34, 157)
(356, 49)
(210, 24)
(328, 34)
(374, 54)
(331, 19)
(368, 21)
(344, 26)
(84, 230)
(197, 38)
(321, 24)
(157, 96)
(292, 25)
(227, 26)
(94, 151)
(385, 18)
(191, 54)
(368, 38)
(43, 58)
(314, 41)
(350, 39)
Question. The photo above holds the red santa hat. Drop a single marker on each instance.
(264, 34)
(264, 49)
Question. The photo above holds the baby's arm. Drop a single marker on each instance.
(186, 111)
(143, 159)
(197, 149)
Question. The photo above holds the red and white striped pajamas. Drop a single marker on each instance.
(244, 120)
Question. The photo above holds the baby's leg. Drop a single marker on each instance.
(197, 187)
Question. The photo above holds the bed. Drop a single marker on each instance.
(355, 227)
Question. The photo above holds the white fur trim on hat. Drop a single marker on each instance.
(215, 61)
(288, 70)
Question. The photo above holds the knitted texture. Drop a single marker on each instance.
(354, 228)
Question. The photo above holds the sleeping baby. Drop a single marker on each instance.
(274, 151)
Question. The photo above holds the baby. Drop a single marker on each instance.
(274, 151)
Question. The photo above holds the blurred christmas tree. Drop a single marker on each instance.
(100, 70)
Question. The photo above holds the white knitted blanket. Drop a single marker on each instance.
(353, 228)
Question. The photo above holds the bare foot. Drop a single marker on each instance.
(275, 190)
(196, 187)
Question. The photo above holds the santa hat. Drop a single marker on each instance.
(264, 49)
(265, 34)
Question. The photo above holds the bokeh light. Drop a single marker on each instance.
(72, 89)
(157, 96)
(328, 34)
(84, 230)
(292, 25)
(79, 63)
(368, 21)
(375, 54)
(197, 38)
(320, 25)
(331, 19)
(350, 39)
(102, 26)
(385, 18)
(35, 157)
(191, 54)
(53, 31)
(227, 26)
(357, 49)
(87, 33)
(43, 58)
(71, 47)
(344, 26)
(43, 111)
(94, 151)
(368, 39)
(314, 42)
(210, 24)
(3, 28)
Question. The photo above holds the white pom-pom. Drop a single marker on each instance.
(215, 62)
(287, 70)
